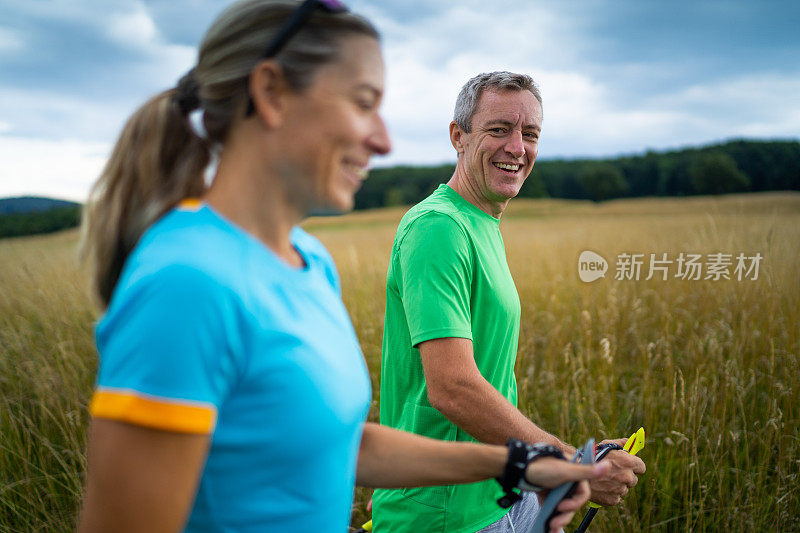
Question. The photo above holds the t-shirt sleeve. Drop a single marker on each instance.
(166, 354)
(435, 262)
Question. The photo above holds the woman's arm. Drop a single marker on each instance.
(390, 458)
(140, 479)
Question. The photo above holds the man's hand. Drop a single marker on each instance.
(611, 488)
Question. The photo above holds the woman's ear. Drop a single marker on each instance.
(268, 91)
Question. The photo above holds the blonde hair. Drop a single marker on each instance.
(159, 160)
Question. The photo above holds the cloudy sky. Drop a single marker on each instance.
(616, 76)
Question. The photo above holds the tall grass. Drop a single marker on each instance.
(711, 369)
(47, 368)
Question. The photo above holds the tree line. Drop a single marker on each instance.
(734, 166)
(35, 222)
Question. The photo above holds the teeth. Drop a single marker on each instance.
(507, 166)
(361, 172)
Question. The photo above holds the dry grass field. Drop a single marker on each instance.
(710, 368)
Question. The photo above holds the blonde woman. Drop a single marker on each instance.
(232, 393)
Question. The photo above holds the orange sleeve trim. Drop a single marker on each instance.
(191, 204)
(184, 416)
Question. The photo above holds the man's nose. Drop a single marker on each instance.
(515, 146)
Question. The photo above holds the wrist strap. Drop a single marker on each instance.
(520, 455)
(603, 449)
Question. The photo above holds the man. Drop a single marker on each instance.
(452, 318)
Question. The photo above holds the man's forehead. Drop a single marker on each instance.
(509, 106)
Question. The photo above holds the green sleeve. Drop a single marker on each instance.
(435, 262)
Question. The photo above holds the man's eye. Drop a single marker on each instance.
(497, 130)
(531, 136)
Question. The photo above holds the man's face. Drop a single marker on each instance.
(500, 151)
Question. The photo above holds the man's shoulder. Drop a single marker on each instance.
(435, 211)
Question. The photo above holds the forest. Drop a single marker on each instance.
(731, 167)
(35, 222)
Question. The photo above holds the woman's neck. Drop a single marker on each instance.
(255, 201)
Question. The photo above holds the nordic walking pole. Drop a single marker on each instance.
(583, 456)
(634, 443)
(365, 528)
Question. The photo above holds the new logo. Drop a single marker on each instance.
(591, 266)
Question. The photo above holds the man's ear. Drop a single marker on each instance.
(456, 136)
(268, 90)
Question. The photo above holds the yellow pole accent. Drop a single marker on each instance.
(633, 445)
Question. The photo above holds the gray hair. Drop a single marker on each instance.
(471, 92)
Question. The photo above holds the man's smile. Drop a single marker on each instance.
(508, 167)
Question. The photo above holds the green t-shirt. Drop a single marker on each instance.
(448, 277)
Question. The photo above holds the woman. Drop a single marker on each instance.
(232, 393)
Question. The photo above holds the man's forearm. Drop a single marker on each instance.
(458, 390)
(480, 410)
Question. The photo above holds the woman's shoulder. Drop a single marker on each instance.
(185, 245)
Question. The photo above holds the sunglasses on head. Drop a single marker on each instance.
(292, 26)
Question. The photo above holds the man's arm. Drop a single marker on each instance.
(457, 389)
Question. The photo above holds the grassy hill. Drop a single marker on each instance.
(32, 204)
(32, 215)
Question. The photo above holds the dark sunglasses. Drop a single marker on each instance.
(292, 26)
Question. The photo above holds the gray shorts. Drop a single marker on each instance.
(519, 519)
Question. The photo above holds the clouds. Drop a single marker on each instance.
(72, 74)
(757, 105)
(184, 22)
(61, 168)
(11, 41)
(81, 62)
(428, 62)
(616, 76)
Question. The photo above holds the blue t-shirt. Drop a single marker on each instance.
(209, 332)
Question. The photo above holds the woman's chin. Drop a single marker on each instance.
(339, 207)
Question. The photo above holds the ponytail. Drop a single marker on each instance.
(157, 162)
